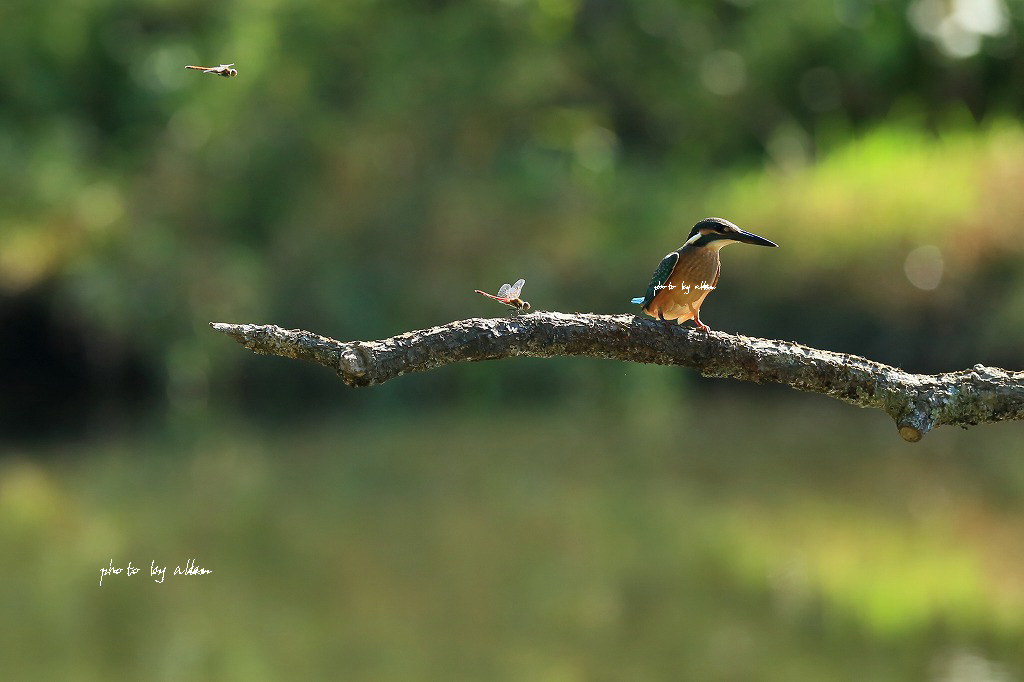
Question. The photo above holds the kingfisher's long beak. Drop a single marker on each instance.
(745, 237)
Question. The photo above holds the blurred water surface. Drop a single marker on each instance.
(737, 537)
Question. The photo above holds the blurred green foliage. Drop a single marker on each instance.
(375, 162)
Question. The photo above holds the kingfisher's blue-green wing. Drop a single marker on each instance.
(660, 276)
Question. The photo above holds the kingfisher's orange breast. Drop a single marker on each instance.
(693, 278)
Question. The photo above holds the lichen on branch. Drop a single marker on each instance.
(916, 402)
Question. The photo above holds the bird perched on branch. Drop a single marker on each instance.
(687, 275)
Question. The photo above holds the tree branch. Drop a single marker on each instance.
(917, 402)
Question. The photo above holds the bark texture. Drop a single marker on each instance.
(916, 402)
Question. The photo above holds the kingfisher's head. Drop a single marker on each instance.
(715, 233)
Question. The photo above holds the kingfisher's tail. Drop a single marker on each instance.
(639, 299)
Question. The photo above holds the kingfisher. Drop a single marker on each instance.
(687, 275)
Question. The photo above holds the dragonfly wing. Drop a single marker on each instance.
(503, 292)
(516, 289)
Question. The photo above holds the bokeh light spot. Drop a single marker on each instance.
(924, 267)
(723, 72)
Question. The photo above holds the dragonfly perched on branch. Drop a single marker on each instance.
(509, 295)
(225, 70)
